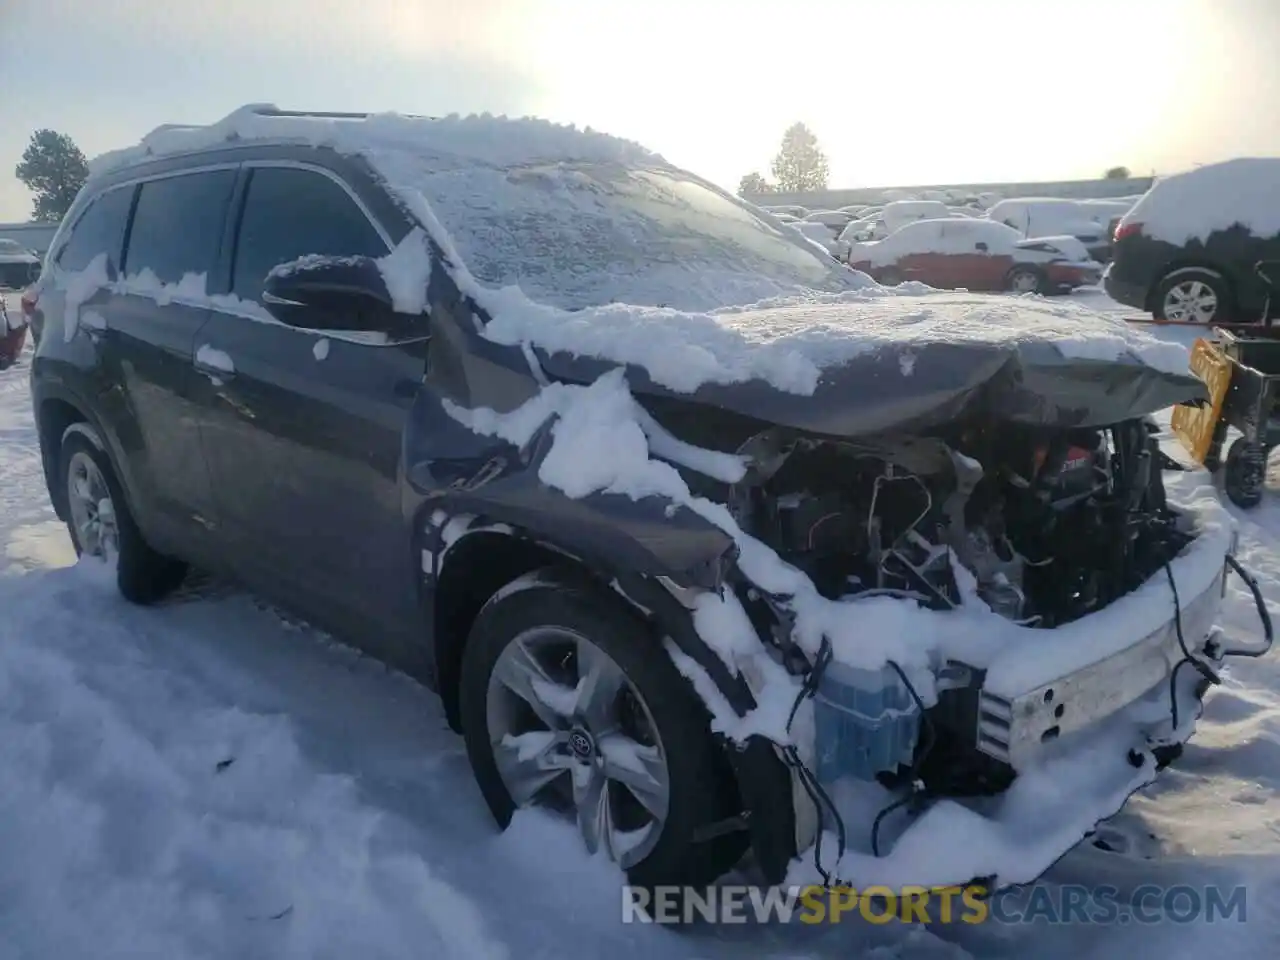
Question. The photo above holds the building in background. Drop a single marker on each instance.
(33, 236)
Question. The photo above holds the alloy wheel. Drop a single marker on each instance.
(569, 729)
(1191, 300)
(93, 514)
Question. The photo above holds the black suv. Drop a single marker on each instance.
(1202, 246)
(264, 352)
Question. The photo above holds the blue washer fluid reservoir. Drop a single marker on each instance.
(865, 722)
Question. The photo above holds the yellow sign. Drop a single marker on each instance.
(1194, 426)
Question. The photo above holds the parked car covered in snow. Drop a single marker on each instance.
(1055, 217)
(975, 254)
(790, 209)
(688, 524)
(1191, 247)
(18, 265)
(815, 232)
(889, 219)
(833, 220)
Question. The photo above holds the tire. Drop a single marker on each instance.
(889, 278)
(1199, 284)
(1024, 279)
(536, 614)
(1244, 474)
(142, 575)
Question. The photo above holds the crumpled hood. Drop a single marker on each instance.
(884, 362)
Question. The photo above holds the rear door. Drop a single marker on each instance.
(918, 257)
(304, 429)
(149, 323)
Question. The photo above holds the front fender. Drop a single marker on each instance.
(492, 479)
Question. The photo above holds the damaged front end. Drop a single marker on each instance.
(1077, 639)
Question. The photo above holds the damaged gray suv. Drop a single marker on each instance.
(705, 540)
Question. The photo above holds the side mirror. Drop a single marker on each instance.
(981, 246)
(333, 293)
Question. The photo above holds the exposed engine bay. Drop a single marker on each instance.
(1052, 525)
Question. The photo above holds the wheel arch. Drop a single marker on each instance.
(475, 566)
(470, 560)
(54, 416)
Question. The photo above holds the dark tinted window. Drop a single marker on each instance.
(99, 230)
(291, 213)
(177, 226)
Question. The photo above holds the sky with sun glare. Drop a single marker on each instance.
(897, 91)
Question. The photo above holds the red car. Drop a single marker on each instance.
(975, 254)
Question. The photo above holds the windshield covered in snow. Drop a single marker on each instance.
(577, 235)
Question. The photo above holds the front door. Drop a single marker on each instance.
(303, 431)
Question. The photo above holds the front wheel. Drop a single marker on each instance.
(101, 525)
(568, 702)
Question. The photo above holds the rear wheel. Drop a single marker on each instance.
(1025, 280)
(568, 702)
(1245, 470)
(101, 525)
(889, 277)
(1193, 295)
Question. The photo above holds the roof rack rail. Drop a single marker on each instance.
(323, 114)
(269, 111)
(168, 127)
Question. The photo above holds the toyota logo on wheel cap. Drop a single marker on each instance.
(581, 745)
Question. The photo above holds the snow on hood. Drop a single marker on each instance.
(1191, 205)
(790, 342)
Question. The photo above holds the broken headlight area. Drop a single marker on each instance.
(1047, 529)
(1051, 526)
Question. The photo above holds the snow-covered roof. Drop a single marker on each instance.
(491, 140)
(1194, 204)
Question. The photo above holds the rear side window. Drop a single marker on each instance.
(99, 230)
(178, 223)
(291, 213)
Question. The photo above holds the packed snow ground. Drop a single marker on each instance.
(211, 779)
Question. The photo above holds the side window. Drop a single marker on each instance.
(290, 213)
(178, 223)
(99, 230)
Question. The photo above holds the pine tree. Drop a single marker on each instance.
(800, 164)
(54, 169)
